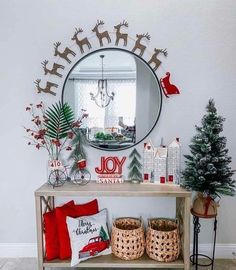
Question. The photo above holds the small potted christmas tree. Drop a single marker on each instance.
(207, 167)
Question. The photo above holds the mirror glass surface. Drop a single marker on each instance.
(120, 95)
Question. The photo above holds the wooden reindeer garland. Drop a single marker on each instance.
(47, 88)
(120, 35)
(101, 35)
(63, 54)
(53, 70)
(81, 42)
(84, 43)
(154, 60)
(139, 45)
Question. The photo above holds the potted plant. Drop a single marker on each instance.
(207, 167)
(51, 130)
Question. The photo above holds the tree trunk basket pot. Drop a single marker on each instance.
(127, 238)
(163, 240)
(204, 206)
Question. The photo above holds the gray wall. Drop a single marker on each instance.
(200, 38)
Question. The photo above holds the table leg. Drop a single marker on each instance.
(39, 226)
(183, 216)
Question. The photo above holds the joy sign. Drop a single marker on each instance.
(110, 170)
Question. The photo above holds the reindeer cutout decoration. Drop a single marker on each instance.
(120, 35)
(81, 42)
(138, 44)
(48, 87)
(54, 69)
(168, 88)
(84, 44)
(101, 35)
(154, 60)
(63, 54)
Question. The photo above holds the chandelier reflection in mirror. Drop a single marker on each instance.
(102, 98)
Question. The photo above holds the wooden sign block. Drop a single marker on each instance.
(110, 170)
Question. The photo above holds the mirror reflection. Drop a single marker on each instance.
(120, 95)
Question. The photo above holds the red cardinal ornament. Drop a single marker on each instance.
(167, 87)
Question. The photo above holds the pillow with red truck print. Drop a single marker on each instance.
(89, 237)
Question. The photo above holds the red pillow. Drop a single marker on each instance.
(86, 209)
(51, 235)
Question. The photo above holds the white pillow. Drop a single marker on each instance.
(89, 236)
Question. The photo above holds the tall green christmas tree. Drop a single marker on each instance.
(135, 166)
(207, 167)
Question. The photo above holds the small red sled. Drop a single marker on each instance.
(167, 87)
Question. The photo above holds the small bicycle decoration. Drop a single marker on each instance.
(59, 173)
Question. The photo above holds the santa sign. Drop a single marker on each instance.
(110, 170)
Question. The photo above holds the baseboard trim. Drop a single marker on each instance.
(18, 250)
(222, 251)
(15, 250)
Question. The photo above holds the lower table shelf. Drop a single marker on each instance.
(45, 201)
(110, 261)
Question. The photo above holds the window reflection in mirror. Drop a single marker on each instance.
(119, 93)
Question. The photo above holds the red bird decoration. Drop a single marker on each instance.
(167, 87)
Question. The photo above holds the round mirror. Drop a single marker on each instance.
(117, 94)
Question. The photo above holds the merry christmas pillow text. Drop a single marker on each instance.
(89, 236)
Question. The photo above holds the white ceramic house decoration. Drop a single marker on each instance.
(173, 162)
(148, 159)
(160, 165)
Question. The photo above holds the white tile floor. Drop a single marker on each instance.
(31, 264)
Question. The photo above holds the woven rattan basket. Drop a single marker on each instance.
(163, 240)
(127, 238)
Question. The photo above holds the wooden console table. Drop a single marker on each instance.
(44, 198)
